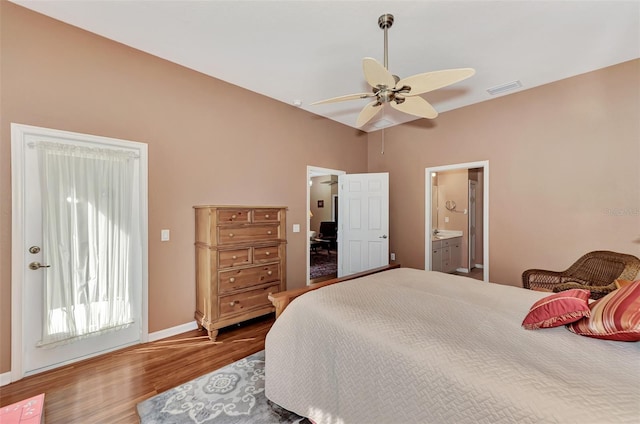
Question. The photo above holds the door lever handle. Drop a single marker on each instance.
(383, 236)
(37, 265)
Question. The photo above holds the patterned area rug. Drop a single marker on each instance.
(322, 264)
(231, 395)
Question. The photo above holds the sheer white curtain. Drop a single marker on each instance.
(87, 208)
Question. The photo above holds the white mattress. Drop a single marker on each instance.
(412, 346)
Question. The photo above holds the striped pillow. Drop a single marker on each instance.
(622, 283)
(558, 309)
(614, 317)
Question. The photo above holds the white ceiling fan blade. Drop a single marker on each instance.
(368, 112)
(416, 106)
(429, 81)
(376, 74)
(343, 98)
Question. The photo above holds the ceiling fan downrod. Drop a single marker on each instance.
(387, 94)
(384, 22)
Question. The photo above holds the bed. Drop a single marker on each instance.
(413, 346)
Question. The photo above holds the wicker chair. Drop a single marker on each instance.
(595, 271)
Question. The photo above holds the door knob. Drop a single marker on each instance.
(383, 236)
(37, 265)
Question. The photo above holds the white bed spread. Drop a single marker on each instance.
(412, 346)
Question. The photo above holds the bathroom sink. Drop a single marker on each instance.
(446, 234)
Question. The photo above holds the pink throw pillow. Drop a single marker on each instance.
(558, 309)
(614, 317)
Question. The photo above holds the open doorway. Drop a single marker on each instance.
(322, 223)
(457, 219)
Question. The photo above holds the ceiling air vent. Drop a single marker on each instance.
(382, 123)
(499, 89)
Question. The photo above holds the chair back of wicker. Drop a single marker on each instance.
(595, 271)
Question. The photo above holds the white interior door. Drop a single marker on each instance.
(29, 278)
(363, 227)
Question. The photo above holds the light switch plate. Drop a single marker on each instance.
(164, 235)
(296, 228)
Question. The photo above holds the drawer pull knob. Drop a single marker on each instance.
(269, 232)
(269, 272)
(267, 216)
(234, 257)
(267, 253)
(231, 234)
(233, 303)
(233, 216)
(232, 279)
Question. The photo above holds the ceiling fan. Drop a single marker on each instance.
(401, 94)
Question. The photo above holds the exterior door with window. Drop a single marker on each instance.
(79, 261)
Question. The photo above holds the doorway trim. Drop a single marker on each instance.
(314, 171)
(485, 208)
(472, 213)
(18, 269)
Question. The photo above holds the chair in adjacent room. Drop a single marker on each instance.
(328, 232)
(596, 271)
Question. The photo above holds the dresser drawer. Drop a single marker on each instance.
(241, 302)
(234, 216)
(266, 254)
(228, 235)
(236, 257)
(266, 215)
(247, 277)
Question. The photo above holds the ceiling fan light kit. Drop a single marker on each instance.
(402, 94)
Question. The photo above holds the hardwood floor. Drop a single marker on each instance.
(476, 274)
(107, 388)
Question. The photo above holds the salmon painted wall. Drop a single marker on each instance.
(564, 171)
(209, 143)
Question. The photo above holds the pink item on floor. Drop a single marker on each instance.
(28, 411)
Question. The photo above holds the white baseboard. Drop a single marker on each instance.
(5, 378)
(162, 334)
(465, 270)
(479, 266)
(173, 331)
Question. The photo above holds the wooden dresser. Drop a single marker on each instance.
(240, 260)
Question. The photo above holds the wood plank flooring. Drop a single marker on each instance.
(107, 388)
(475, 273)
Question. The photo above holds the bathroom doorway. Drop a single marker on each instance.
(451, 192)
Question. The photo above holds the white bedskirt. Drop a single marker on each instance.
(412, 346)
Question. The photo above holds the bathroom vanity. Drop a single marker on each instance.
(446, 251)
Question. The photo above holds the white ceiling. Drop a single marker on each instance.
(311, 50)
